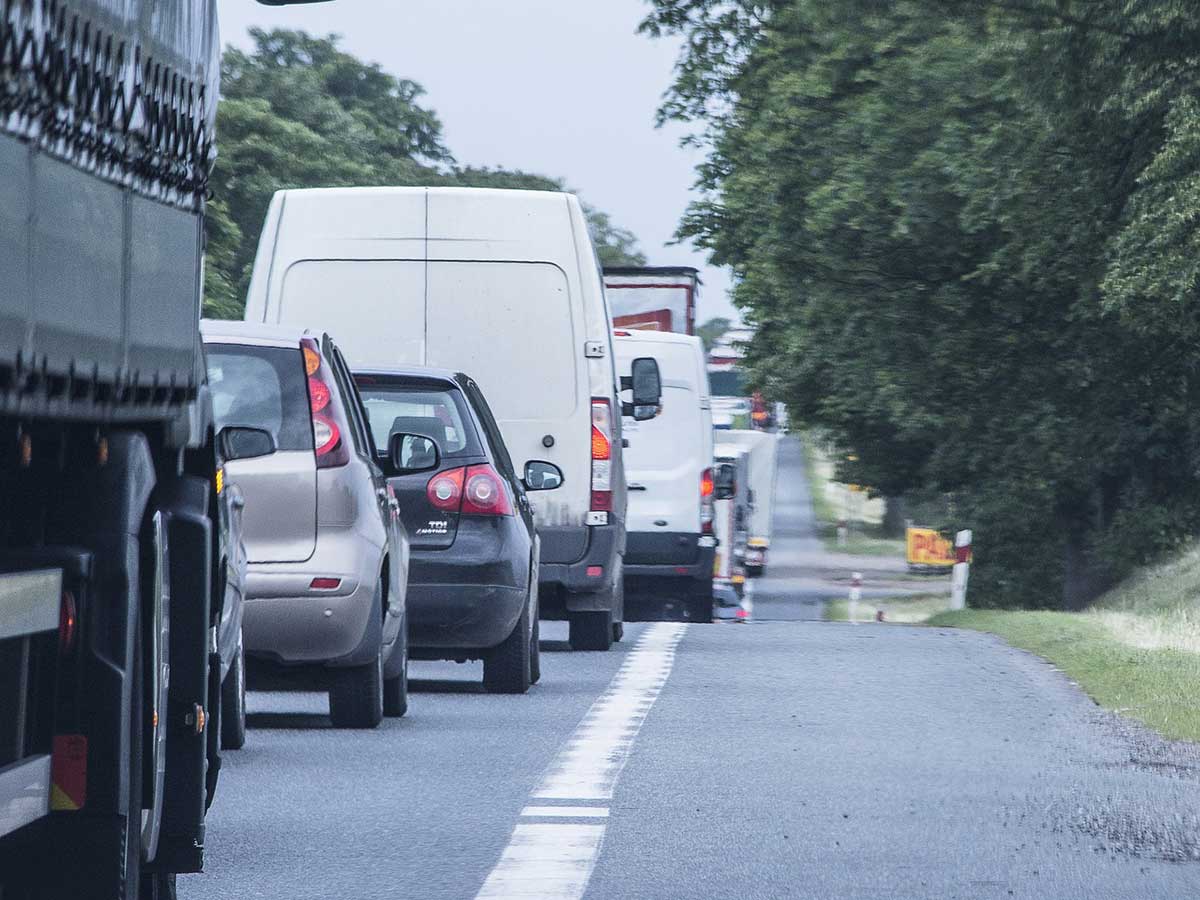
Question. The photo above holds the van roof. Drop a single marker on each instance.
(401, 191)
(654, 337)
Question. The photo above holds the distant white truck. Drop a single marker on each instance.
(762, 452)
(653, 298)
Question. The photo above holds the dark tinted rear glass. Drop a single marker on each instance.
(727, 384)
(261, 387)
(418, 409)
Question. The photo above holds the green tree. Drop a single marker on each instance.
(297, 111)
(947, 221)
(713, 329)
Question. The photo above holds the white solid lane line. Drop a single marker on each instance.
(554, 860)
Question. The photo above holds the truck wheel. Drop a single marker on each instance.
(506, 668)
(395, 689)
(158, 886)
(356, 695)
(618, 632)
(233, 702)
(591, 630)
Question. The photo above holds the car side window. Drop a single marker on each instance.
(494, 437)
(363, 441)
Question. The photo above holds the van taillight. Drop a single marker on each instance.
(445, 489)
(602, 434)
(706, 501)
(327, 418)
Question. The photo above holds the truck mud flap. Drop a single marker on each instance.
(184, 505)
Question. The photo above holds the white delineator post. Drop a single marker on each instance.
(962, 563)
(855, 595)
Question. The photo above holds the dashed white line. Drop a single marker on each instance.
(554, 860)
(565, 812)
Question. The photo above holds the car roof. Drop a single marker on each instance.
(224, 332)
(414, 372)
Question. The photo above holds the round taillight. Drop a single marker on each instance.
(445, 489)
(325, 435)
(318, 394)
(483, 491)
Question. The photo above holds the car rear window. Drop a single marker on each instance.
(261, 387)
(418, 409)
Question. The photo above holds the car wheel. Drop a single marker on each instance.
(700, 609)
(395, 690)
(506, 668)
(356, 695)
(535, 653)
(591, 630)
(233, 702)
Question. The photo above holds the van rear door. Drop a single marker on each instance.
(265, 387)
(522, 348)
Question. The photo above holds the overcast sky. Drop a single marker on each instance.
(558, 87)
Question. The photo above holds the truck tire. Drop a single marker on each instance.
(356, 695)
(233, 702)
(506, 668)
(591, 630)
(395, 689)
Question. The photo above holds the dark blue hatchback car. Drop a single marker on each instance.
(472, 591)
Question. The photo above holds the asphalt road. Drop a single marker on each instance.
(785, 758)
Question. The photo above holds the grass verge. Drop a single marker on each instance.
(866, 537)
(901, 610)
(1157, 685)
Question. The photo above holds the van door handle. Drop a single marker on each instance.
(634, 486)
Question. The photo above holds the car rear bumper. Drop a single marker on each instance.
(471, 595)
(461, 616)
(287, 621)
(591, 572)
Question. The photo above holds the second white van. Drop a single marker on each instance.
(504, 286)
(668, 467)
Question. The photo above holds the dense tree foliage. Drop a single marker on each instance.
(712, 330)
(967, 232)
(297, 111)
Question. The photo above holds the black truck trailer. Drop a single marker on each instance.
(110, 569)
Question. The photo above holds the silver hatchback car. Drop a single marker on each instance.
(328, 556)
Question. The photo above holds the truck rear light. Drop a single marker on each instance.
(445, 489)
(595, 571)
(602, 436)
(325, 584)
(328, 421)
(485, 494)
(68, 623)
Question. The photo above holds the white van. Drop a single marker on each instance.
(668, 467)
(504, 286)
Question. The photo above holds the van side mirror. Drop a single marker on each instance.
(646, 384)
(542, 476)
(238, 442)
(409, 453)
(725, 482)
